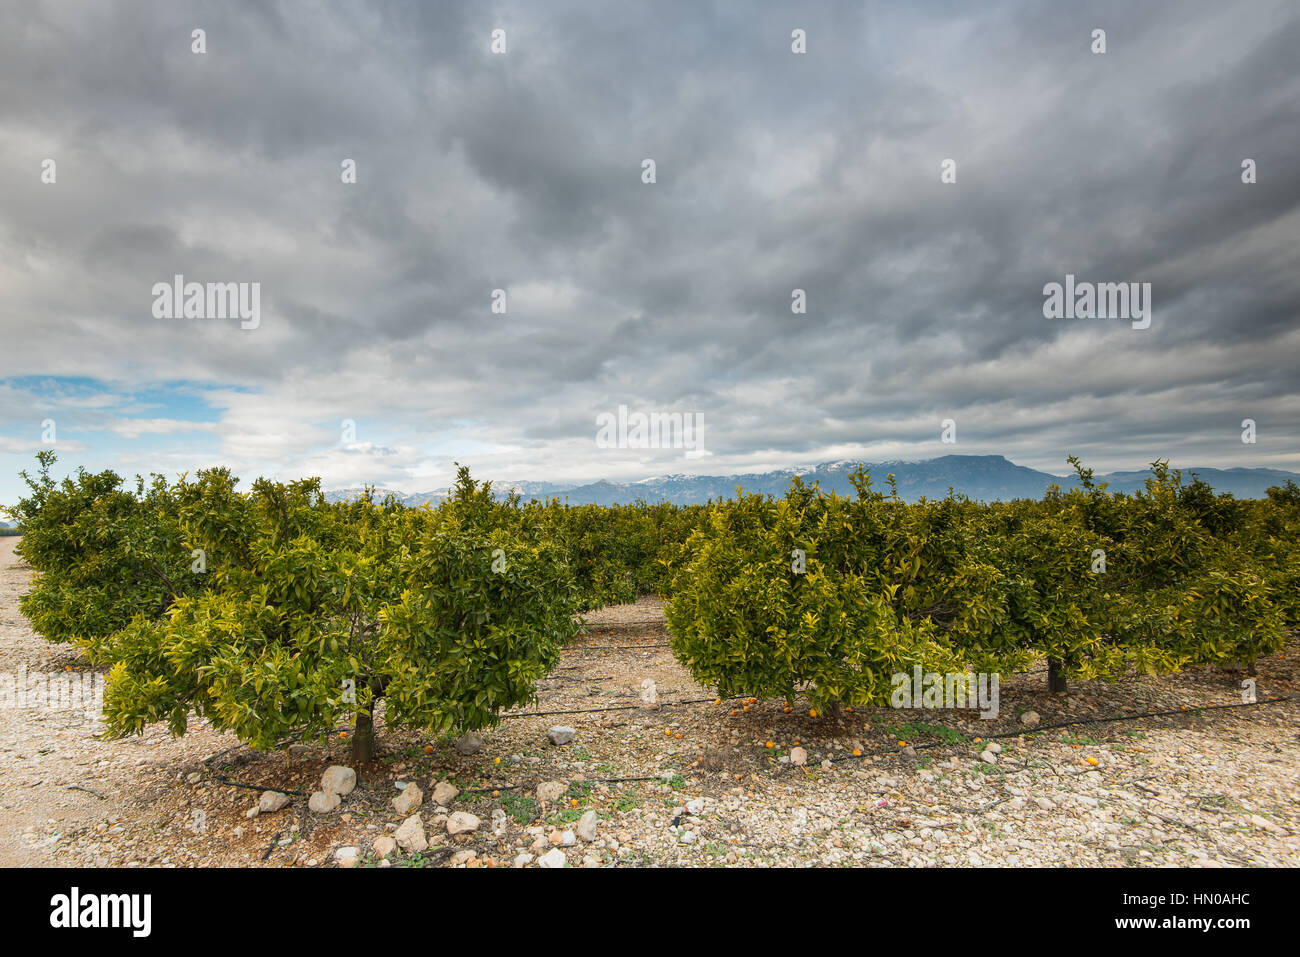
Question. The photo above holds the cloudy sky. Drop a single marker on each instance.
(523, 171)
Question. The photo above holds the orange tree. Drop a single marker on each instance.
(1095, 582)
(102, 554)
(310, 614)
(1194, 587)
(764, 605)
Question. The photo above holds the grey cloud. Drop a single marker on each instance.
(775, 172)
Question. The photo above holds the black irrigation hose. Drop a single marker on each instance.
(516, 787)
(615, 647)
(222, 779)
(621, 707)
(1071, 724)
(1135, 717)
(617, 624)
(848, 757)
(537, 714)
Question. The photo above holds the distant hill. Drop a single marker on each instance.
(981, 477)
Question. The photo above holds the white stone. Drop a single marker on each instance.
(410, 835)
(444, 792)
(410, 799)
(553, 858)
(338, 780)
(462, 822)
(471, 742)
(560, 735)
(322, 802)
(271, 801)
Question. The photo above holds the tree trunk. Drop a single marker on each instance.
(363, 740)
(1056, 683)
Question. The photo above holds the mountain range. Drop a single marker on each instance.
(980, 477)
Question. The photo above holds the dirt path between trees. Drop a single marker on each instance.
(682, 781)
(57, 778)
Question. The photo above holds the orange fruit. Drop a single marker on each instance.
(668, 732)
(677, 735)
(857, 752)
(717, 701)
(1092, 761)
(428, 749)
(812, 712)
(734, 712)
(902, 744)
(746, 708)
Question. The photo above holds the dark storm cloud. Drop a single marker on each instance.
(775, 172)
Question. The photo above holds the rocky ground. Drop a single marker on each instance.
(667, 776)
